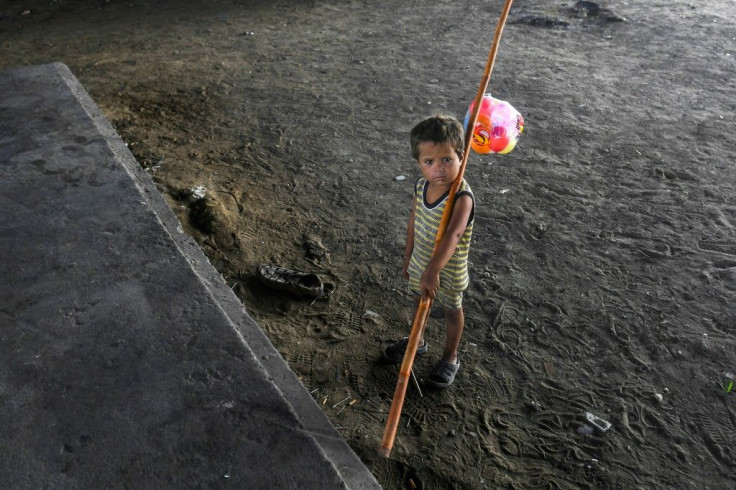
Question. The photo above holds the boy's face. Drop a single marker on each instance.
(438, 162)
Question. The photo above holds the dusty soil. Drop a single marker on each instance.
(604, 254)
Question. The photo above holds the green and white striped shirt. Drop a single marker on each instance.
(427, 219)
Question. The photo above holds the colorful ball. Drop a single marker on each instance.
(498, 127)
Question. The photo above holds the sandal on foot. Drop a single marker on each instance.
(443, 374)
(394, 353)
(299, 283)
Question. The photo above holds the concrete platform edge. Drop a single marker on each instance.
(348, 465)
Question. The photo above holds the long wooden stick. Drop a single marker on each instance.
(420, 319)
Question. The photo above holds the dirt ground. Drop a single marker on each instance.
(603, 264)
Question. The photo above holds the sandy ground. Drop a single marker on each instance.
(604, 252)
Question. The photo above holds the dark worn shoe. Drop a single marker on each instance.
(394, 353)
(443, 374)
(298, 283)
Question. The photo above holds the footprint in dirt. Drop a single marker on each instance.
(726, 276)
(396, 474)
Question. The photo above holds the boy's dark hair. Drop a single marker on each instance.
(438, 129)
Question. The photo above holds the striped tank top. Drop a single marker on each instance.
(427, 219)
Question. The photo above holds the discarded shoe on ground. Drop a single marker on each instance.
(301, 284)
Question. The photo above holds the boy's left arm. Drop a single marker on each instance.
(430, 280)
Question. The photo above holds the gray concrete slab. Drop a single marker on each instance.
(125, 361)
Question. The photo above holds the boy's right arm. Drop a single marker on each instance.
(409, 242)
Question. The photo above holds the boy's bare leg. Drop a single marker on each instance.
(455, 324)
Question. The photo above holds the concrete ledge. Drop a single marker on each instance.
(125, 361)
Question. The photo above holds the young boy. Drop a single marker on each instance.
(437, 144)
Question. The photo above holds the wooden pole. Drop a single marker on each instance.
(420, 319)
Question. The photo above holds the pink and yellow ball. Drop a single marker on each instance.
(498, 127)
